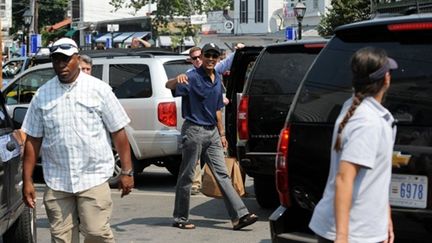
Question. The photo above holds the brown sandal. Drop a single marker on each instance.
(246, 220)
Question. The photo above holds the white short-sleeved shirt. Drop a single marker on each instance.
(73, 121)
(367, 140)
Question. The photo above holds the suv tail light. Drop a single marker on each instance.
(410, 26)
(282, 167)
(242, 118)
(315, 45)
(167, 113)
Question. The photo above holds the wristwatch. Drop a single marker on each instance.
(127, 172)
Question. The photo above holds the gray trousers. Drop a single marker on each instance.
(204, 142)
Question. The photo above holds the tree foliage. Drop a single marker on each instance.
(343, 12)
(175, 7)
(50, 12)
(167, 9)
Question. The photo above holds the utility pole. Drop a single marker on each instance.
(31, 28)
(36, 17)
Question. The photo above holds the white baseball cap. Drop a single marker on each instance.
(64, 46)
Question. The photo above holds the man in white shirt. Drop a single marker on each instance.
(68, 122)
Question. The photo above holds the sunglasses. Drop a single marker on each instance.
(62, 46)
(213, 55)
(194, 58)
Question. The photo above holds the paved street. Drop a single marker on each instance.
(145, 215)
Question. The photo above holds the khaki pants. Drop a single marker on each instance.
(89, 210)
(197, 178)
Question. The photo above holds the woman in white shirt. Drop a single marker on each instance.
(354, 207)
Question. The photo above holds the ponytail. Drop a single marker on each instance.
(357, 99)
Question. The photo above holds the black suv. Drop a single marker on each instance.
(262, 110)
(17, 221)
(305, 142)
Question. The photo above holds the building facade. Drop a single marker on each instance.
(5, 18)
(265, 16)
(95, 16)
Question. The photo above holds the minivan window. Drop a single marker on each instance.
(11, 68)
(130, 80)
(329, 82)
(279, 72)
(22, 91)
(97, 71)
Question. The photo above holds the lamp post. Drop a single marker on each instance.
(28, 17)
(92, 28)
(299, 11)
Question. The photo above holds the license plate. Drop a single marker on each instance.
(408, 191)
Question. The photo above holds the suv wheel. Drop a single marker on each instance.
(24, 228)
(265, 191)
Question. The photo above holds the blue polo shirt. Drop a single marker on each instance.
(201, 97)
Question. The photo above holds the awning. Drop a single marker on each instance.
(188, 41)
(166, 41)
(123, 36)
(106, 36)
(136, 34)
(70, 33)
(60, 24)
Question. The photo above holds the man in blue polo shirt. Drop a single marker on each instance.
(203, 135)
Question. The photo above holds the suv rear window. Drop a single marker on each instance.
(277, 65)
(328, 84)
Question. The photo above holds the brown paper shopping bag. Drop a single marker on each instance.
(210, 187)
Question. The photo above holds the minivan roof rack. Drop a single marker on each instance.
(118, 52)
(401, 7)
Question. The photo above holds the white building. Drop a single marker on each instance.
(97, 14)
(269, 16)
(5, 17)
(101, 10)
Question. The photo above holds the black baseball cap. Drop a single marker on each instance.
(211, 47)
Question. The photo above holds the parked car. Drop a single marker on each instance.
(14, 67)
(18, 65)
(243, 62)
(138, 78)
(303, 157)
(263, 107)
(17, 221)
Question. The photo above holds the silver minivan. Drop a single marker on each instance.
(138, 80)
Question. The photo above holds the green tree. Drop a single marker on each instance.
(167, 9)
(214, 5)
(343, 12)
(175, 7)
(50, 12)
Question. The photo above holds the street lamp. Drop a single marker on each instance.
(28, 17)
(299, 11)
(92, 28)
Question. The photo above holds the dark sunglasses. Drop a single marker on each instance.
(194, 58)
(213, 55)
(62, 46)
